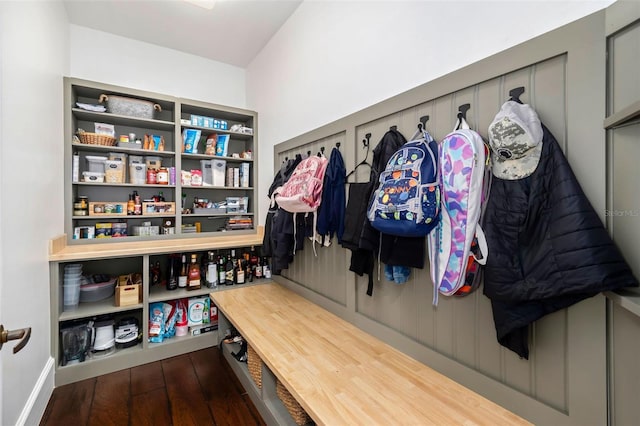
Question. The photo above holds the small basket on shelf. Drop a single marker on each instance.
(96, 139)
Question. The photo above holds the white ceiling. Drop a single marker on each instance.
(233, 32)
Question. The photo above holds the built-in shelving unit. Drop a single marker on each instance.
(176, 115)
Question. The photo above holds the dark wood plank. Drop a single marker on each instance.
(222, 389)
(111, 399)
(151, 408)
(188, 406)
(147, 377)
(70, 404)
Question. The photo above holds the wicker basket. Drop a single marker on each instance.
(96, 139)
(297, 412)
(255, 366)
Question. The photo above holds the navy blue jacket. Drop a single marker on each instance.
(548, 249)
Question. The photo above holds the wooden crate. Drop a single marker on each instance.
(129, 290)
(159, 208)
(117, 208)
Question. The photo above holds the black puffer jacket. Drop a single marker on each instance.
(548, 249)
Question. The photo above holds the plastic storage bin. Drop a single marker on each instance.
(93, 177)
(138, 173)
(98, 291)
(207, 172)
(113, 171)
(153, 162)
(95, 164)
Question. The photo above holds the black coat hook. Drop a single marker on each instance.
(365, 141)
(423, 122)
(462, 110)
(515, 94)
(309, 153)
(338, 145)
(393, 128)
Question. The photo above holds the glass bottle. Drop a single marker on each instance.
(182, 278)
(229, 267)
(194, 274)
(239, 272)
(212, 272)
(172, 274)
(131, 207)
(222, 274)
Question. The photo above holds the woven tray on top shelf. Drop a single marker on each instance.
(254, 363)
(297, 412)
(96, 139)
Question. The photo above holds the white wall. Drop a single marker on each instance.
(107, 58)
(34, 57)
(332, 58)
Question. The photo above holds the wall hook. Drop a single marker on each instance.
(423, 122)
(338, 145)
(365, 141)
(393, 128)
(515, 94)
(462, 110)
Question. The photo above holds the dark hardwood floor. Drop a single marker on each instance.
(198, 388)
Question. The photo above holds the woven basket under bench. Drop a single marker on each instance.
(297, 412)
(254, 363)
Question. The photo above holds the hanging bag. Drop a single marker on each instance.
(406, 202)
(462, 168)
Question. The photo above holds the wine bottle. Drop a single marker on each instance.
(182, 278)
(239, 272)
(212, 272)
(222, 273)
(194, 274)
(172, 274)
(229, 267)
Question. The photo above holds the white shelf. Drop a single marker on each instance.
(216, 157)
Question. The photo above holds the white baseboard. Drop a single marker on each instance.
(39, 398)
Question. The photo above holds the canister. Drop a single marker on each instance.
(162, 176)
(152, 177)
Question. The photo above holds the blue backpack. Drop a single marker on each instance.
(407, 200)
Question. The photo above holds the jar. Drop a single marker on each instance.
(81, 206)
(162, 176)
(152, 176)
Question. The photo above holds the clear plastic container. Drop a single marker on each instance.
(153, 162)
(207, 172)
(138, 173)
(93, 177)
(95, 164)
(114, 171)
(71, 295)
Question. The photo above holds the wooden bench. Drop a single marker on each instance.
(343, 376)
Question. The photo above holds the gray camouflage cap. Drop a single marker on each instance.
(515, 136)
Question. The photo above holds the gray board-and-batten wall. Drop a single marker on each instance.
(582, 368)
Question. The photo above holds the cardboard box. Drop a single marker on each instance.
(196, 310)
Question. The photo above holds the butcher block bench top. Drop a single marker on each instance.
(342, 375)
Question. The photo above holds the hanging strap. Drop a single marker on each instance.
(461, 123)
(482, 246)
